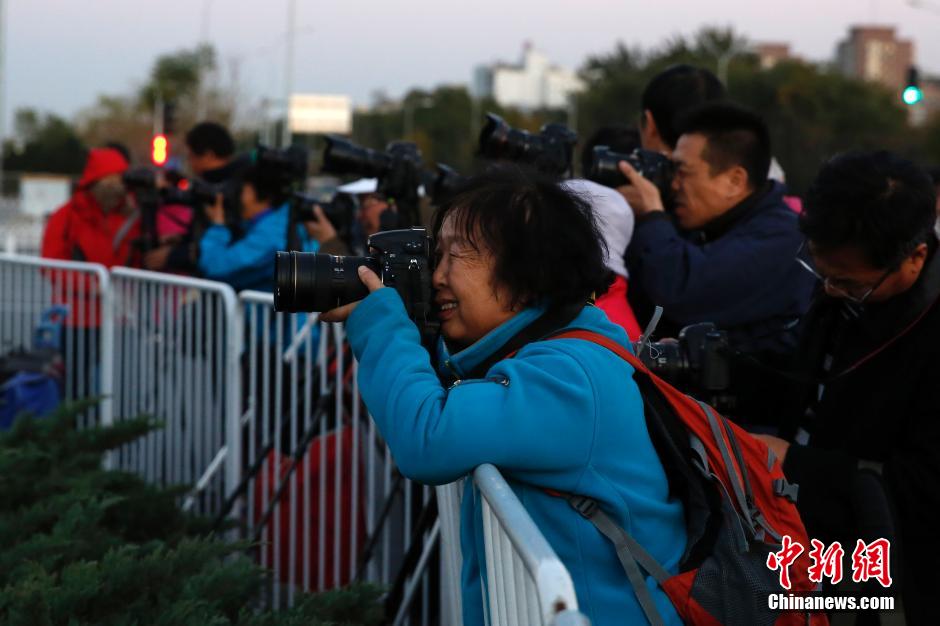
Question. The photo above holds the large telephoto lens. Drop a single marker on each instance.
(310, 282)
(344, 157)
(499, 140)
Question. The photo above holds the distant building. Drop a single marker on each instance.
(770, 54)
(874, 53)
(931, 101)
(532, 84)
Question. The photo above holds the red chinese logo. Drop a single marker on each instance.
(872, 561)
(827, 562)
(869, 561)
(782, 560)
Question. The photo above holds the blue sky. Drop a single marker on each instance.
(60, 54)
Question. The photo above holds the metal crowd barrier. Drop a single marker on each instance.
(448, 512)
(64, 306)
(320, 490)
(176, 355)
(526, 581)
(262, 415)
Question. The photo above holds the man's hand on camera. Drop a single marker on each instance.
(642, 195)
(370, 279)
(216, 211)
(320, 229)
(777, 445)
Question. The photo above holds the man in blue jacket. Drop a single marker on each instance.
(726, 253)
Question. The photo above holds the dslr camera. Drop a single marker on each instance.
(193, 193)
(698, 362)
(653, 166)
(548, 151)
(398, 169)
(341, 211)
(285, 167)
(314, 282)
(152, 197)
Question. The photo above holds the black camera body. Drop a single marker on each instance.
(152, 197)
(653, 166)
(312, 282)
(198, 194)
(549, 151)
(442, 183)
(398, 170)
(341, 211)
(285, 167)
(697, 362)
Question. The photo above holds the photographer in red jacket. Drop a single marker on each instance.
(96, 225)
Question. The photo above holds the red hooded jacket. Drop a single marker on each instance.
(80, 230)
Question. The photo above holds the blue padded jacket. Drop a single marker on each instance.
(563, 414)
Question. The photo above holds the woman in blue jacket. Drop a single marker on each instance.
(248, 262)
(514, 250)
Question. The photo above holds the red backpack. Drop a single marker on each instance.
(738, 507)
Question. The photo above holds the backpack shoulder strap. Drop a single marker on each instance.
(601, 340)
(631, 554)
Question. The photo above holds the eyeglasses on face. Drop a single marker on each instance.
(849, 289)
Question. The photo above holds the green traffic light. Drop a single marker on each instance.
(912, 95)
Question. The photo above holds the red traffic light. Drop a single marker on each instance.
(159, 150)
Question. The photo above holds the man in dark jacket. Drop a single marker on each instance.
(725, 254)
(865, 440)
(210, 151)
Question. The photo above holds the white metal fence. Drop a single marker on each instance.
(20, 234)
(66, 307)
(526, 582)
(262, 416)
(176, 354)
(321, 492)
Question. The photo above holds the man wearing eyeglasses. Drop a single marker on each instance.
(864, 442)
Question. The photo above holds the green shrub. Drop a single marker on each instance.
(85, 545)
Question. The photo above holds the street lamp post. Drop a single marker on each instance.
(288, 70)
(3, 84)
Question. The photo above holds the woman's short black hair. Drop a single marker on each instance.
(267, 187)
(877, 202)
(544, 238)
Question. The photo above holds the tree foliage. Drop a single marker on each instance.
(43, 143)
(812, 111)
(184, 77)
(83, 545)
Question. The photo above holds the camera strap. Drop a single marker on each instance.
(553, 320)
